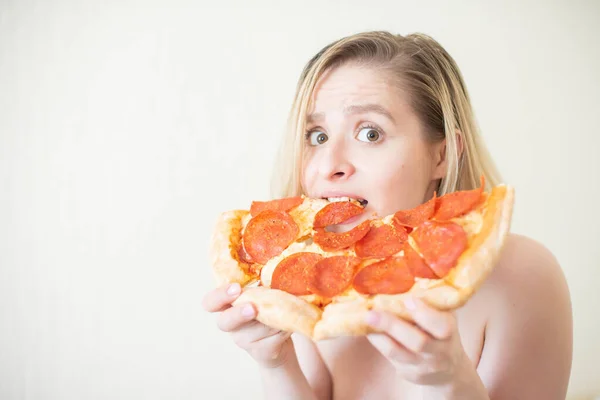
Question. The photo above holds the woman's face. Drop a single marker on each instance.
(364, 141)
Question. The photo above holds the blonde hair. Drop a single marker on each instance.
(437, 94)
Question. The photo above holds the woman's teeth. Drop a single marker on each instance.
(362, 202)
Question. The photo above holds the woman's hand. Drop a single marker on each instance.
(428, 352)
(269, 347)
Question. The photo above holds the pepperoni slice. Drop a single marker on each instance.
(336, 213)
(332, 275)
(284, 204)
(293, 273)
(415, 216)
(381, 241)
(331, 241)
(268, 234)
(455, 204)
(389, 276)
(417, 266)
(441, 244)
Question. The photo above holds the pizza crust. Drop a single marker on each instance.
(347, 317)
(476, 263)
(223, 249)
(281, 310)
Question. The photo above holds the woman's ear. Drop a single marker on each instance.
(441, 155)
(459, 143)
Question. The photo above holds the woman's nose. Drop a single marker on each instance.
(335, 164)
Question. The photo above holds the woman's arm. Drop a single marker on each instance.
(313, 367)
(528, 340)
(301, 375)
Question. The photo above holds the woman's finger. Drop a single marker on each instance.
(221, 298)
(255, 331)
(391, 349)
(235, 317)
(439, 324)
(403, 332)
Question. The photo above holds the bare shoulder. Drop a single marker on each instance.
(529, 326)
(526, 264)
(529, 284)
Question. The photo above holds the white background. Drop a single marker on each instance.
(127, 126)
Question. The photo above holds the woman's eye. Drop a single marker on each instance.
(368, 135)
(316, 138)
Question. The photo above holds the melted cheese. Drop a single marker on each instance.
(309, 246)
(297, 247)
(387, 219)
(304, 215)
(245, 221)
(471, 222)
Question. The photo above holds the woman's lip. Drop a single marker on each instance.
(340, 194)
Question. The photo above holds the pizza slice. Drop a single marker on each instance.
(304, 278)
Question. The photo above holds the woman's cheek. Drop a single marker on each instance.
(384, 196)
(308, 177)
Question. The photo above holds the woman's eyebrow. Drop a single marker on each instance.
(354, 109)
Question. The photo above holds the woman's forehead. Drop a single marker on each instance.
(351, 89)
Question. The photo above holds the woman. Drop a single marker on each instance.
(387, 118)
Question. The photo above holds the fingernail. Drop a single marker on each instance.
(410, 304)
(248, 311)
(372, 318)
(233, 289)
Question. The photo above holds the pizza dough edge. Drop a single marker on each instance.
(347, 318)
(344, 318)
(281, 310)
(476, 265)
(226, 269)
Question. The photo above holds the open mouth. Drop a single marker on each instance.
(362, 202)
